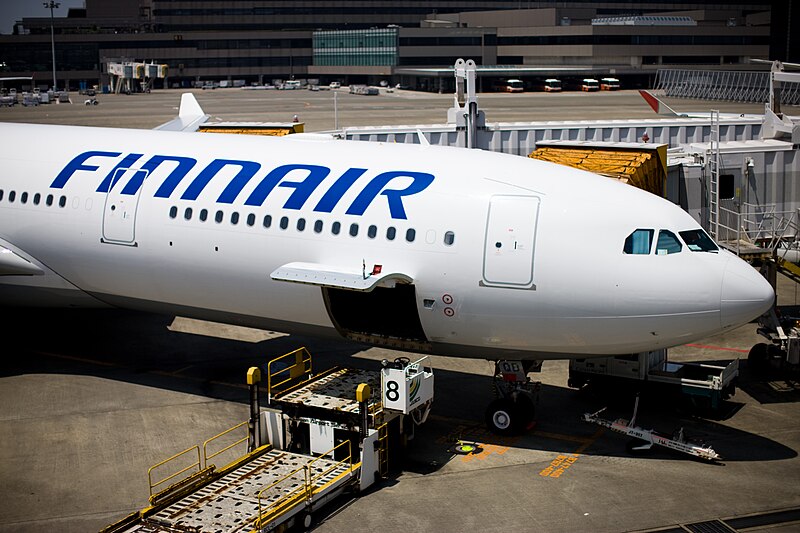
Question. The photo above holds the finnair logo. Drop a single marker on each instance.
(306, 180)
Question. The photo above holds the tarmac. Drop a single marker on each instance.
(89, 400)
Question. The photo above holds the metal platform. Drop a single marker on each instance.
(268, 486)
(335, 390)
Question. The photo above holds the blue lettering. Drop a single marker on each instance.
(303, 189)
(394, 196)
(78, 164)
(337, 190)
(308, 180)
(247, 171)
(106, 185)
(185, 164)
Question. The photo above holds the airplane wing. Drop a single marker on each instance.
(338, 278)
(190, 116)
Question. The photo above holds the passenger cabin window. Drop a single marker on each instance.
(173, 212)
(698, 240)
(318, 226)
(668, 243)
(251, 219)
(336, 227)
(449, 238)
(218, 217)
(390, 233)
(188, 213)
(639, 242)
(411, 234)
(203, 215)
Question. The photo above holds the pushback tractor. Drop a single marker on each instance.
(321, 436)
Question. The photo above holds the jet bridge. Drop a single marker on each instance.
(322, 435)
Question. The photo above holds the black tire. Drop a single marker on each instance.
(758, 358)
(526, 411)
(501, 417)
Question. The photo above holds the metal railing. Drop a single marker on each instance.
(302, 492)
(281, 375)
(737, 86)
(196, 466)
(758, 225)
(206, 455)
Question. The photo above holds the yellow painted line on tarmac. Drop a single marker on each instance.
(564, 461)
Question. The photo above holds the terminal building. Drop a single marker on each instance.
(409, 42)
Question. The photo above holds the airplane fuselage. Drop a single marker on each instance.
(424, 248)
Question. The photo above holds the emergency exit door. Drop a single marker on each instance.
(510, 241)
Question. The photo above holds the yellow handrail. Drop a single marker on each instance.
(300, 367)
(184, 452)
(304, 492)
(206, 457)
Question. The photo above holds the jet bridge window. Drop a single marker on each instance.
(668, 243)
(639, 242)
(698, 240)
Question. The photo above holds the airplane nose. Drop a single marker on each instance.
(745, 294)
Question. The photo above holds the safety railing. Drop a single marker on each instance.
(195, 465)
(756, 225)
(284, 371)
(300, 493)
(243, 440)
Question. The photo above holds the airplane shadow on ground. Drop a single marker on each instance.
(139, 348)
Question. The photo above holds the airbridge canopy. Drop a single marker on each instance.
(642, 165)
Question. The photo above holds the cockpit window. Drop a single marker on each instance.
(668, 243)
(698, 240)
(639, 242)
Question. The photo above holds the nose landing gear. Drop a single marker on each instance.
(512, 412)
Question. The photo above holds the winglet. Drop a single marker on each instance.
(189, 109)
(657, 105)
(190, 116)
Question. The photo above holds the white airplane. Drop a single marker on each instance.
(422, 248)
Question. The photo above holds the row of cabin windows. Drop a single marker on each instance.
(300, 224)
(640, 242)
(35, 200)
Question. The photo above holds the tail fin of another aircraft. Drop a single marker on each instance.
(190, 116)
(658, 106)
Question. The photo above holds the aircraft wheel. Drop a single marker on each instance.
(758, 358)
(526, 410)
(501, 417)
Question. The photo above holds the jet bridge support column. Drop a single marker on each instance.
(465, 113)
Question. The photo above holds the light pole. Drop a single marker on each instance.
(52, 5)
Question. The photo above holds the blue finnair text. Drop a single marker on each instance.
(306, 179)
